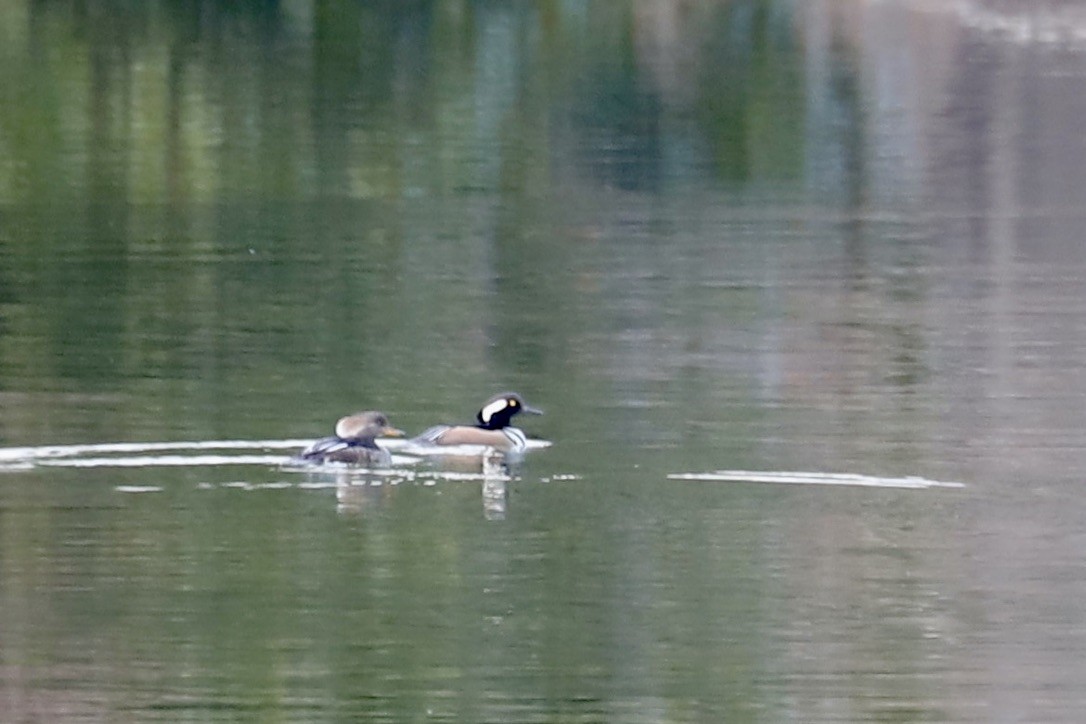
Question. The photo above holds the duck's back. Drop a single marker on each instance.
(338, 450)
(507, 438)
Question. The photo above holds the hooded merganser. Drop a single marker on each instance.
(491, 429)
(354, 441)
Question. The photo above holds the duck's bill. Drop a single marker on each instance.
(392, 432)
(531, 410)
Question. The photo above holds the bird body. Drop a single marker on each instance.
(354, 442)
(492, 428)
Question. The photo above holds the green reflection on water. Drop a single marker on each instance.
(357, 203)
(228, 220)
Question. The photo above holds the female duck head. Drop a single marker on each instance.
(365, 426)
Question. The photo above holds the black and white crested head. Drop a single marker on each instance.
(499, 410)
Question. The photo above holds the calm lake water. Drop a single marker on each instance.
(809, 238)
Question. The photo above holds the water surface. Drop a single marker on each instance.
(724, 245)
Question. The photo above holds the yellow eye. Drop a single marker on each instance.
(512, 403)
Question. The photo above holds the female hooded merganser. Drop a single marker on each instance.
(354, 441)
(491, 429)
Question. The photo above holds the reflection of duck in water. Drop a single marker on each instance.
(354, 442)
(357, 493)
(492, 428)
(496, 475)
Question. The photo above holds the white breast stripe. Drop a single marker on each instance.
(488, 412)
(518, 439)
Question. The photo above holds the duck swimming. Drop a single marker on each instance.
(354, 441)
(492, 426)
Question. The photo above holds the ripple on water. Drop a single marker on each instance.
(136, 455)
(404, 470)
(809, 478)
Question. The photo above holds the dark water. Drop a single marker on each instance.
(813, 237)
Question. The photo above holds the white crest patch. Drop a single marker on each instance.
(490, 410)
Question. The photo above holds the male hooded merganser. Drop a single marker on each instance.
(491, 429)
(354, 441)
